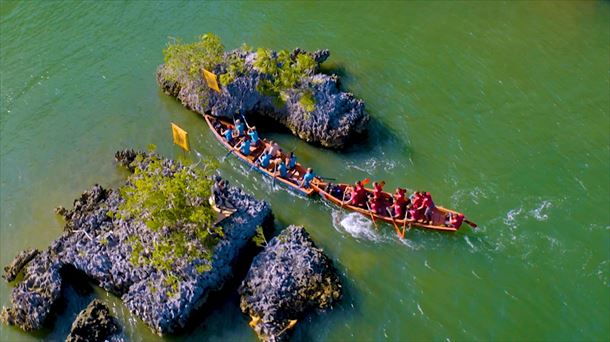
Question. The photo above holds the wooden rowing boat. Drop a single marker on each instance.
(438, 216)
(218, 125)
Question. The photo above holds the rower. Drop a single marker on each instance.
(378, 187)
(358, 195)
(264, 160)
(307, 178)
(378, 204)
(291, 162)
(400, 202)
(240, 127)
(244, 148)
(282, 170)
(253, 136)
(273, 148)
(228, 134)
(428, 204)
(416, 207)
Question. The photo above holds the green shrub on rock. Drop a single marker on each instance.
(172, 201)
(186, 60)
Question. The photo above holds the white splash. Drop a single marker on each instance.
(354, 224)
(511, 217)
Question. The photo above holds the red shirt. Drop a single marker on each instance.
(456, 220)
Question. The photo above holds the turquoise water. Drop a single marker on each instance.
(501, 110)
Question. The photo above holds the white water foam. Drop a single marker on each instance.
(354, 224)
(537, 212)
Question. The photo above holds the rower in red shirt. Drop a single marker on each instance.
(428, 205)
(400, 203)
(358, 195)
(378, 204)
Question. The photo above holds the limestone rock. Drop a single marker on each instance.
(290, 277)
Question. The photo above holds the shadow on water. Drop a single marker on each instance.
(315, 321)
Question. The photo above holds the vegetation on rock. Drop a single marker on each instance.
(186, 60)
(173, 203)
(284, 73)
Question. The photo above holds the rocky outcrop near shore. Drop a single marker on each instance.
(19, 262)
(94, 323)
(99, 244)
(290, 277)
(334, 118)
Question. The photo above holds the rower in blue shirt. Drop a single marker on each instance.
(228, 134)
(292, 162)
(245, 147)
(241, 128)
(307, 178)
(264, 160)
(253, 135)
(281, 167)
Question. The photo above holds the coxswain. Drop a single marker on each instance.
(244, 148)
(454, 220)
(307, 178)
(253, 136)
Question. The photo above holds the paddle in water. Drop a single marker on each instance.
(371, 213)
(400, 235)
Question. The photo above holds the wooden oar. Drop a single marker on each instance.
(274, 175)
(343, 198)
(371, 213)
(233, 148)
(472, 224)
(402, 236)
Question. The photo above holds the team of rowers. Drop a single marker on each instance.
(272, 159)
(418, 207)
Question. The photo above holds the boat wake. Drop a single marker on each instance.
(354, 224)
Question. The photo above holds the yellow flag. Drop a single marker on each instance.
(210, 78)
(181, 137)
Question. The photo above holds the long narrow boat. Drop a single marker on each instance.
(438, 216)
(218, 125)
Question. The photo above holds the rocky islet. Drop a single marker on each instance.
(96, 244)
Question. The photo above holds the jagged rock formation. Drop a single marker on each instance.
(98, 246)
(94, 323)
(336, 117)
(288, 278)
(19, 262)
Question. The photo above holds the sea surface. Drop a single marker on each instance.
(499, 109)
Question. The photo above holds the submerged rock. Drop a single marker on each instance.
(290, 277)
(99, 245)
(336, 116)
(94, 323)
(19, 262)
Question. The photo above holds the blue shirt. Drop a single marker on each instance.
(229, 135)
(254, 136)
(245, 147)
(265, 160)
(241, 129)
(307, 179)
(283, 170)
(292, 162)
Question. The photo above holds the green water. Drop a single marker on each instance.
(499, 109)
